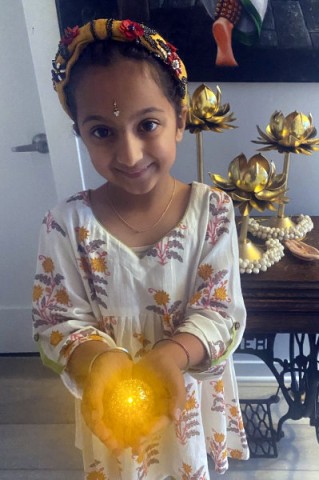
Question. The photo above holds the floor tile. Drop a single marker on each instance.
(38, 401)
(40, 475)
(24, 367)
(266, 475)
(38, 447)
(297, 451)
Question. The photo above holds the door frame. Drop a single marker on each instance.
(43, 34)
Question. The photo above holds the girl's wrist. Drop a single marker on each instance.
(186, 350)
(180, 354)
(110, 350)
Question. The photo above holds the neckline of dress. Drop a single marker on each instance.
(194, 190)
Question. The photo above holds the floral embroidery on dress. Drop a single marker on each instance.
(146, 459)
(97, 472)
(219, 369)
(50, 297)
(167, 248)
(218, 403)
(171, 315)
(52, 224)
(218, 448)
(56, 337)
(107, 324)
(218, 209)
(77, 338)
(187, 423)
(217, 350)
(144, 342)
(212, 293)
(236, 425)
(187, 473)
(92, 262)
(83, 196)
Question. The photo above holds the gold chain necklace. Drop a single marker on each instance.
(135, 230)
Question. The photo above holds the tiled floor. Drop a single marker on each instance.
(37, 432)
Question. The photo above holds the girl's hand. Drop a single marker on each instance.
(166, 379)
(108, 369)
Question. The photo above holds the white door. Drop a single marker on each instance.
(28, 186)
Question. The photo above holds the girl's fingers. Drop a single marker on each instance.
(159, 425)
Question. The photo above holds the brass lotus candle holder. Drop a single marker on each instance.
(254, 184)
(205, 112)
(294, 133)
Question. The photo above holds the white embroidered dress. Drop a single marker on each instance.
(89, 285)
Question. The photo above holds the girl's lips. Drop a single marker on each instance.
(134, 173)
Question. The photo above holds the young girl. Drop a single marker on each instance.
(139, 278)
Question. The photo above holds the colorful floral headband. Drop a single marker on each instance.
(77, 38)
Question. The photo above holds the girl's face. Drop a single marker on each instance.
(136, 149)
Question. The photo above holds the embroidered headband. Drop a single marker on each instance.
(77, 38)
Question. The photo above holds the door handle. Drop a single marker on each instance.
(39, 144)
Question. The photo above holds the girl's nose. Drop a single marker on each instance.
(130, 150)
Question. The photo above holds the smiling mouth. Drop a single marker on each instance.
(134, 173)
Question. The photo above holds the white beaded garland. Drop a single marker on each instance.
(274, 252)
(303, 226)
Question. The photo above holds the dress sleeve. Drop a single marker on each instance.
(63, 315)
(216, 312)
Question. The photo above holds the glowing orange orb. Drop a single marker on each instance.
(132, 397)
(130, 409)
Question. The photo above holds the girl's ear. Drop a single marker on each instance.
(181, 123)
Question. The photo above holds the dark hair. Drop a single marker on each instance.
(108, 52)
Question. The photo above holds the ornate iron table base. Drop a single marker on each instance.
(298, 380)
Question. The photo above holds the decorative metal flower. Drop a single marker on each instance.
(252, 184)
(294, 133)
(206, 112)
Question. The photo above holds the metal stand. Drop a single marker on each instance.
(261, 435)
(301, 395)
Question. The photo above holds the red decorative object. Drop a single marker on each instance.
(131, 30)
(69, 35)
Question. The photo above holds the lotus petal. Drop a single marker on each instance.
(236, 166)
(221, 182)
(245, 209)
(299, 125)
(268, 195)
(259, 206)
(204, 102)
(256, 177)
(277, 125)
(240, 196)
(278, 181)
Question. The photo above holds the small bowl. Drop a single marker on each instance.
(302, 250)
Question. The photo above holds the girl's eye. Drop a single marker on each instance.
(149, 126)
(100, 132)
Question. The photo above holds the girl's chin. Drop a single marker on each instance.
(136, 183)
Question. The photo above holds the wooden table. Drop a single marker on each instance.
(285, 299)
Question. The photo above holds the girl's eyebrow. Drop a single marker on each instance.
(93, 118)
(144, 111)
